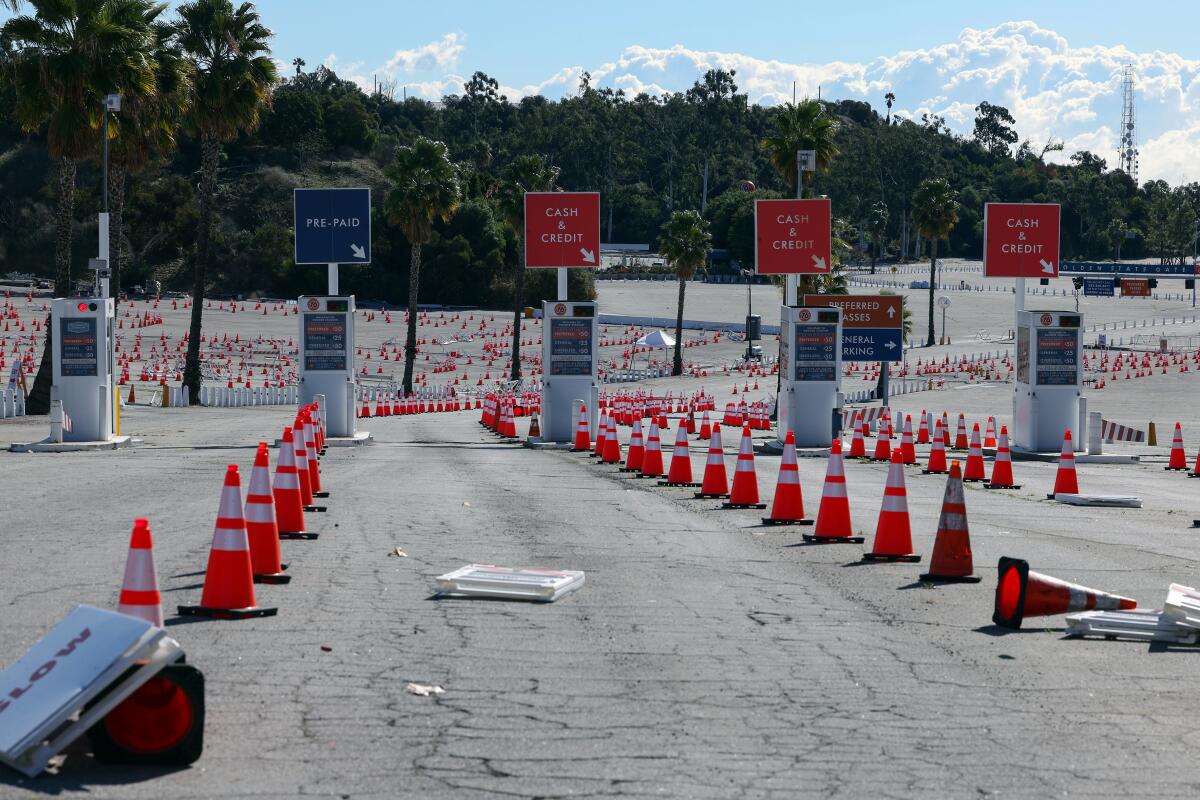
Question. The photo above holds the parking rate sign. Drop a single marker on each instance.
(791, 237)
(1020, 240)
(562, 229)
(333, 226)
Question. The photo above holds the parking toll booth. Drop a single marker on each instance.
(83, 362)
(1049, 378)
(327, 359)
(810, 347)
(569, 358)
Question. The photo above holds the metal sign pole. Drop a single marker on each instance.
(562, 284)
(333, 279)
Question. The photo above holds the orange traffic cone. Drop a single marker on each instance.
(705, 427)
(893, 535)
(745, 480)
(788, 506)
(960, 437)
(261, 529)
(1002, 474)
(314, 467)
(833, 516)
(1065, 480)
(951, 561)
(602, 428)
(923, 431)
(975, 472)
(1022, 593)
(229, 580)
(883, 443)
(652, 462)
(680, 473)
(989, 438)
(858, 444)
(937, 452)
(1178, 457)
(715, 482)
(301, 450)
(289, 500)
(908, 450)
(139, 590)
(535, 427)
(636, 452)
(583, 437)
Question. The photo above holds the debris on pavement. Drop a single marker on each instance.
(486, 580)
(423, 689)
(399, 553)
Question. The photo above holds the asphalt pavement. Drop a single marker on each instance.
(706, 656)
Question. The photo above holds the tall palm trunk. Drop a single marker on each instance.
(116, 225)
(932, 282)
(518, 310)
(39, 396)
(210, 157)
(410, 339)
(677, 364)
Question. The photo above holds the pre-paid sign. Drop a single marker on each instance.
(791, 237)
(1020, 240)
(333, 226)
(562, 229)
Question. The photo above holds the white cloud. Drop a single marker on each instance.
(434, 55)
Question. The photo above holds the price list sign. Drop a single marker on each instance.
(325, 342)
(814, 348)
(78, 350)
(571, 346)
(1057, 357)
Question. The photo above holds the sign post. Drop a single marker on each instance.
(810, 343)
(562, 231)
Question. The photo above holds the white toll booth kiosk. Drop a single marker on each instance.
(570, 339)
(327, 360)
(83, 362)
(1049, 379)
(810, 353)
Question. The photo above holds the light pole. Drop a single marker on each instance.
(944, 303)
(112, 102)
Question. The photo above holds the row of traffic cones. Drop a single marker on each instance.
(245, 546)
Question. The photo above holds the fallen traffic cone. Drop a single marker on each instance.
(951, 561)
(652, 463)
(1002, 474)
(715, 482)
(1021, 593)
(1065, 480)
(289, 500)
(229, 580)
(937, 452)
(975, 472)
(833, 516)
(583, 437)
(680, 473)
(1178, 457)
(636, 452)
(893, 534)
(261, 529)
(139, 590)
(745, 480)
(788, 506)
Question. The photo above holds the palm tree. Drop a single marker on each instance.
(424, 188)
(935, 211)
(889, 98)
(877, 221)
(531, 173)
(802, 126)
(145, 128)
(65, 58)
(684, 243)
(232, 78)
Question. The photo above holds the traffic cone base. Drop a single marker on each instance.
(274, 577)
(814, 539)
(680, 484)
(227, 613)
(299, 535)
(743, 505)
(1005, 486)
(773, 521)
(911, 558)
(1021, 593)
(929, 577)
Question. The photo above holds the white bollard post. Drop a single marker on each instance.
(1095, 445)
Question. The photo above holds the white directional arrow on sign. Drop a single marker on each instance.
(587, 256)
(891, 312)
(1047, 267)
(890, 345)
(818, 262)
(358, 251)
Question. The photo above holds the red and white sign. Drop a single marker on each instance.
(804, 315)
(1135, 287)
(1020, 240)
(791, 237)
(562, 229)
(1046, 320)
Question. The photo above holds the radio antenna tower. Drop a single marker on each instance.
(1127, 154)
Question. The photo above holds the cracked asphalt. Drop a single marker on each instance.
(706, 656)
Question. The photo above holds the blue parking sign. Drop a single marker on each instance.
(333, 226)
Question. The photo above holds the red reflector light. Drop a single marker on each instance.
(82, 306)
